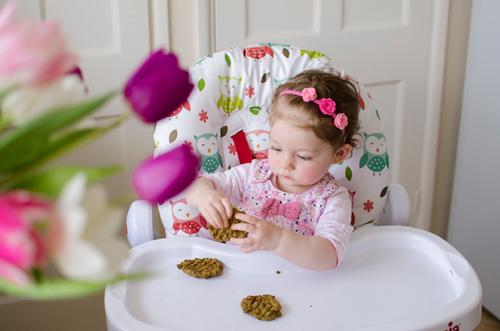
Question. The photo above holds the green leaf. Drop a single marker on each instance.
(265, 77)
(255, 110)
(348, 173)
(201, 84)
(50, 182)
(52, 289)
(23, 144)
(228, 60)
(384, 191)
(53, 149)
(223, 131)
(172, 136)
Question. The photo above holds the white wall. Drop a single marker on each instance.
(475, 210)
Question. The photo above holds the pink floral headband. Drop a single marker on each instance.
(326, 105)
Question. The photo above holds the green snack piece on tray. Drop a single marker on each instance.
(201, 268)
(263, 307)
(225, 234)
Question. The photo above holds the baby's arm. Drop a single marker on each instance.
(319, 252)
(313, 252)
(212, 204)
(210, 193)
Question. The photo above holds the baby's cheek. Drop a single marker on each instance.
(311, 173)
(273, 165)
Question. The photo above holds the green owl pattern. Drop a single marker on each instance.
(207, 146)
(375, 155)
(312, 54)
(230, 91)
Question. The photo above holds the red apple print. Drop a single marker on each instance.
(258, 52)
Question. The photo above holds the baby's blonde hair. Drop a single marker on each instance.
(308, 115)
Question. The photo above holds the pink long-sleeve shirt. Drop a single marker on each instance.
(324, 210)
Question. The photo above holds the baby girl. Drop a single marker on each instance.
(292, 205)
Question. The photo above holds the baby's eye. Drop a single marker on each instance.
(276, 149)
(305, 158)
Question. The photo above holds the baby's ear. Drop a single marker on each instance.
(342, 153)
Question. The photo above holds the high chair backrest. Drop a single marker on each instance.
(229, 108)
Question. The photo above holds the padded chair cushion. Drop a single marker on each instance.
(233, 91)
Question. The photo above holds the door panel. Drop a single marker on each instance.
(392, 46)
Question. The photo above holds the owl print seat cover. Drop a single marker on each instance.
(225, 121)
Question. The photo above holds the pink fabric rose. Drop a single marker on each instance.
(31, 53)
(341, 121)
(308, 94)
(327, 106)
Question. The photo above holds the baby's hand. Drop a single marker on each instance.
(262, 235)
(216, 209)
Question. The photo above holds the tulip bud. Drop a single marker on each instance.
(158, 179)
(158, 87)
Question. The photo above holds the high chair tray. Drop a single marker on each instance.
(392, 278)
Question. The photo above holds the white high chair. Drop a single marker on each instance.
(392, 277)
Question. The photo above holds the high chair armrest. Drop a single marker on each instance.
(139, 223)
(397, 208)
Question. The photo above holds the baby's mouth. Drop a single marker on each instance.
(286, 177)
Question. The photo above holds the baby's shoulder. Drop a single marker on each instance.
(329, 188)
(260, 171)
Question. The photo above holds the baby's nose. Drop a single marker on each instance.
(286, 163)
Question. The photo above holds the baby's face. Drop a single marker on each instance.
(297, 157)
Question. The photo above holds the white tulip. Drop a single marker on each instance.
(23, 104)
(88, 223)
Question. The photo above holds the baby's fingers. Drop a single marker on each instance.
(246, 244)
(227, 206)
(212, 216)
(222, 213)
(241, 241)
(243, 227)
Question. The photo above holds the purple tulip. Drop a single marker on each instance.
(158, 87)
(158, 179)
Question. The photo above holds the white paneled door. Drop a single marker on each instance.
(394, 47)
(111, 37)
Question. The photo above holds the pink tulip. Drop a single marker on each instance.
(16, 245)
(158, 179)
(31, 53)
(28, 229)
(13, 274)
